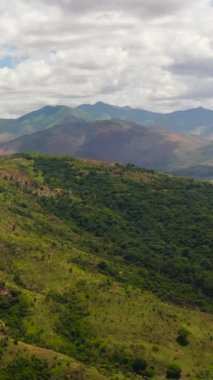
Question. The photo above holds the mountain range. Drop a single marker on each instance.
(197, 121)
(180, 142)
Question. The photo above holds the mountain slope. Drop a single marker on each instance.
(41, 119)
(95, 131)
(82, 245)
(198, 121)
(103, 111)
(110, 140)
(198, 163)
(47, 116)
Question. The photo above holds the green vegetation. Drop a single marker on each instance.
(105, 272)
(182, 337)
(173, 372)
(162, 225)
(26, 369)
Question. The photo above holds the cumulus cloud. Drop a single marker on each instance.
(145, 53)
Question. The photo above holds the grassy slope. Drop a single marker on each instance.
(45, 257)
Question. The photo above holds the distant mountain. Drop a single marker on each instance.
(47, 116)
(198, 121)
(197, 163)
(203, 171)
(111, 140)
(9, 129)
(179, 142)
(43, 118)
(103, 111)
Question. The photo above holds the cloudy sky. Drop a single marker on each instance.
(152, 54)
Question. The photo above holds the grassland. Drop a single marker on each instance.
(85, 308)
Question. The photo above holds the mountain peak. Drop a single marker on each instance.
(101, 104)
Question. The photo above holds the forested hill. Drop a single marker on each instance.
(85, 246)
(137, 219)
(150, 229)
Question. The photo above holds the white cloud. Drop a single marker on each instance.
(147, 53)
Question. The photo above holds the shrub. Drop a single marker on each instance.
(24, 368)
(149, 373)
(182, 337)
(139, 365)
(173, 371)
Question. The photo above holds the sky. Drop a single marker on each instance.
(150, 54)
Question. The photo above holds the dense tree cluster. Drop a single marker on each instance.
(159, 226)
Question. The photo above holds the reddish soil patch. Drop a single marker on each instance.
(5, 292)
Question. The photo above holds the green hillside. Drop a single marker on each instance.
(105, 272)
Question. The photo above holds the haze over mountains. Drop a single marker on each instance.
(179, 141)
(197, 121)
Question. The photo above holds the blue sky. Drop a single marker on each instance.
(10, 61)
(7, 62)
